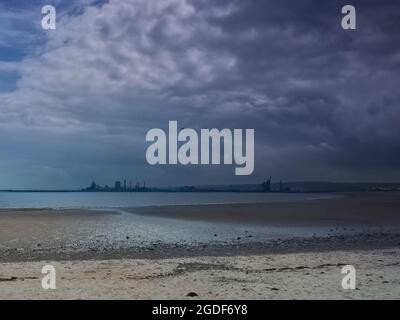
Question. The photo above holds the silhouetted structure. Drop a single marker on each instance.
(267, 185)
(119, 187)
(92, 187)
(282, 188)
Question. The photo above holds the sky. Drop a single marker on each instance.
(76, 102)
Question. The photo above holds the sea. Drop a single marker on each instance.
(98, 200)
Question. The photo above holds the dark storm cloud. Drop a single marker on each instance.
(323, 101)
(323, 82)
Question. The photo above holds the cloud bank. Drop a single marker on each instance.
(323, 101)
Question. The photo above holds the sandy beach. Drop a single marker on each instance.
(282, 250)
(281, 276)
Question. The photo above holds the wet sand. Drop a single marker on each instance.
(356, 221)
(372, 208)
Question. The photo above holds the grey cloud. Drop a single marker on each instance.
(323, 101)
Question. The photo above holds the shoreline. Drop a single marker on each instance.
(362, 242)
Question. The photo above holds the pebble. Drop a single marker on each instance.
(192, 294)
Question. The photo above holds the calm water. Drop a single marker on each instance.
(123, 200)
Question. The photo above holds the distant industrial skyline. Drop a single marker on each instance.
(118, 186)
